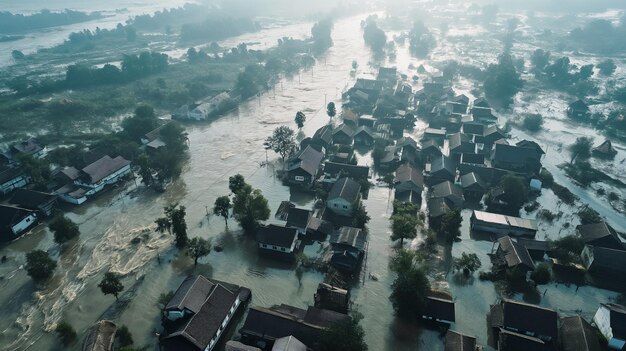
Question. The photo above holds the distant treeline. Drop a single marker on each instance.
(216, 28)
(11, 23)
(189, 13)
(601, 36)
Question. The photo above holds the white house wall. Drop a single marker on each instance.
(24, 224)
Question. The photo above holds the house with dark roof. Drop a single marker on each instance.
(277, 240)
(578, 110)
(323, 137)
(511, 341)
(342, 134)
(439, 170)
(319, 228)
(437, 207)
(332, 298)
(473, 186)
(199, 313)
(43, 203)
(539, 250)
(605, 149)
(511, 255)
(364, 135)
(289, 343)
(347, 248)
(408, 178)
(600, 234)
(334, 171)
(455, 107)
(15, 221)
(449, 191)
(483, 114)
(438, 135)
(517, 159)
(263, 326)
(105, 171)
(439, 310)
(430, 150)
(578, 335)
(459, 143)
(343, 196)
(532, 145)
(298, 218)
(503, 225)
(100, 337)
(611, 321)
(455, 341)
(29, 147)
(524, 319)
(12, 178)
(304, 166)
(473, 128)
(481, 102)
(492, 134)
(390, 158)
(602, 261)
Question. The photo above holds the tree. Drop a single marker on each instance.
(581, 148)
(539, 60)
(143, 121)
(467, 263)
(360, 216)
(198, 247)
(65, 331)
(515, 190)
(607, 67)
(374, 37)
(568, 248)
(300, 119)
(589, 216)
(533, 122)
(249, 207)
(39, 265)
(347, 335)
(502, 81)
(174, 223)
(145, 171)
(222, 207)
(63, 228)
(331, 110)
(124, 336)
(450, 225)
(542, 274)
(236, 183)
(282, 142)
(410, 288)
(111, 284)
(403, 226)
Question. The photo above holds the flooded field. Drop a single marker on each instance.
(233, 144)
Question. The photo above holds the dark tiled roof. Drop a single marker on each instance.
(514, 253)
(324, 134)
(605, 148)
(609, 259)
(481, 102)
(105, 167)
(530, 144)
(594, 231)
(535, 245)
(579, 105)
(191, 294)
(28, 147)
(352, 171)
(321, 226)
(354, 237)
(533, 318)
(10, 215)
(578, 335)
(8, 174)
(366, 130)
(308, 159)
(471, 179)
(514, 154)
(446, 189)
(30, 198)
(437, 207)
(155, 133)
(458, 342)
(408, 173)
(71, 173)
(443, 164)
(345, 129)
(298, 217)
(346, 189)
(460, 142)
(510, 341)
(276, 235)
(439, 308)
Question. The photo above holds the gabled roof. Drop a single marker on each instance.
(350, 236)
(368, 84)
(443, 163)
(346, 189)
(578, 335)
(473, 128)
(324, 134)
(471, 179)
(481, 102)
(514, 253)
(7, 174)
(155, 133)
(298, 217)
(579, 105)
(70, 172)
(407, 142)
(456, 341)
(618, 320)
(27, 147)
(461, 99)
(345, 129)
(365, 130)
(500, 219)
(530, 144)
(276, 235)
(104, 167)
(11, 215)
(526, 317)
(191, 294)
(307, 159)
(609, 259)
(493, 130)
(439, 308)
(459, 142)
(408, 173)
(514, 154)
(288, 343)
(512, 341)
(30, 198)
(352, 171)
(595, 231)
(605, 148)
(446, 189)
(438, 206)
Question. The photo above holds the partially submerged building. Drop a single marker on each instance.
(15, 221)
(503, 225)
(611, 320)
(344, 196)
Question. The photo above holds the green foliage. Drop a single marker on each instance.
(539, 60)
(65, 331)
(451, 225)
(111, 284)
(515, 190)
(410, 288)
(37, 169)
(607, 67)
(533, 122)
(331, 110)
(421, 40)
(198, 247)
(282, 141)
(547, 180)
(403, 226)
(222, 207)
(236, 183)
(502, 81)
(568, 248)
(39, 265)
(374, 37)
(300, 119)
(360, 216)
(564, 194)
(467, 263)
(588, 216)
(581, 149)
(143, 121)
(250, 207)
(174, 223)
(164, 298)
(216, 27)
(321, 34)
(252, 81)
(542, 274)
(63, 228)
(347, 335)
(124, 336)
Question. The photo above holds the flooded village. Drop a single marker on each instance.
(409, 176)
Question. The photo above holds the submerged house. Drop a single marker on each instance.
(364, 135)
(344, 196)
(449, 191)
(347, 249)
(343, 134)
(439, 170)
(439, 310)
(43, 203)
(12, 178)
(455, 341)
(103, 172)
(408, 178)
(503, 225)
(578, 335)
(517, 159)
(15, 221)
(303, 168)
(611, 320)
(511, 254)
(604, 150)
(334, 171)
(517, 324)
(29, 147)
(199, 313)
(277, 239)
(600, 234)
(578, 110)
(602, 261)
(332, 298)
(473, 186)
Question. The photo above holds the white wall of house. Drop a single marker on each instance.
(340, 206)
(279, 248)
(14, 183)
(24, 224)
(224, 325)
(602, 319)
(73, 200)
(108, 180)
